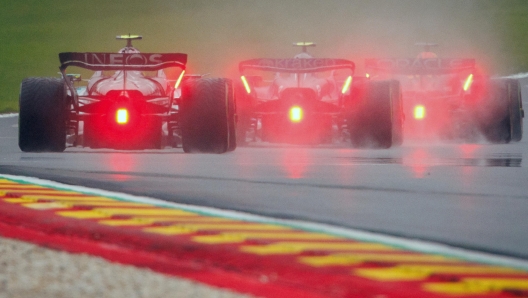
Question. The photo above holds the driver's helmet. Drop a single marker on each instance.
(427, 55)
(303, 56)
(128, 50)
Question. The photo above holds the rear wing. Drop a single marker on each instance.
(297, 65)
(122, 61)
(419, 66)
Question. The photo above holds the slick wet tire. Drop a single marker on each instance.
(380, 114)
(231, 116)
(515, 110)
(502, 122)
(243, 113)
(397, 113)
(208, 116)
(42, 116)
(377, 121)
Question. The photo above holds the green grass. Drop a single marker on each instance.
(218, 34)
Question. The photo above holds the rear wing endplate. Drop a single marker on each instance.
(297, 65)
(123, 61)
(419, 66)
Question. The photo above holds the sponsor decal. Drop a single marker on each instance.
(420, 64)
(120, 59)
(296, 63)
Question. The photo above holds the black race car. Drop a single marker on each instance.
(307, 100)
(449, 99)
(130, 102)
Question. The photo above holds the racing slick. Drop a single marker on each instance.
(129, 102)
(307, 100)
(447, 99)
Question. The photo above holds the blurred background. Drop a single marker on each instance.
(217, 34)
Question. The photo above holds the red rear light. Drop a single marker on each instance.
(419, 112)
(296, 114)
(122, 116)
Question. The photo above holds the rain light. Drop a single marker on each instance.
(179, 80)
(419, 112)
(296, 114)
(246, 85)
(468, 82)
(347, 84)
(122, 116)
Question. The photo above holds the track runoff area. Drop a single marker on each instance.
(250, 254)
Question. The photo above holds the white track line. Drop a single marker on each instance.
(10, 115)
(517, 76)
(410, 244)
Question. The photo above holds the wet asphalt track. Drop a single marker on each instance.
(472, 196)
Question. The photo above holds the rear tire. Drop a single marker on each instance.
(231, 117)
(516, 110)
(43, 115)
(397, 113)
(208, 116)
(502, 120)
(243, 109)
(376, 119)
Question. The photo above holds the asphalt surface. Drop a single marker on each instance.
(472, 196)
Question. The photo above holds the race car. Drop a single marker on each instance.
(449, 99)
(307, 100)
(132, 100)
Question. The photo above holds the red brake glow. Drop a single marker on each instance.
(246, 85)
(179, 80)
(296, 114)
(347, 84)
(419, 112)
(468, 82)
(122, 116)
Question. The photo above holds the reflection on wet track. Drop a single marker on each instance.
(498, 160)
